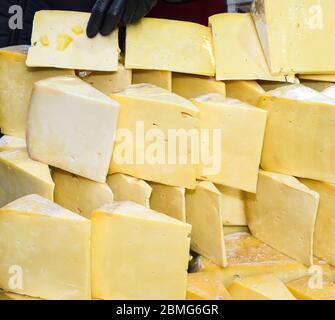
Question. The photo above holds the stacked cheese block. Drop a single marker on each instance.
(90, 209)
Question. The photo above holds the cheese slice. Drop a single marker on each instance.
(205, 286)
(318, 77)
(45, 247)
(203, 212)
(300, 136)
(317, 85)
(72, 126)
(162, 79)
(233, 208)
(283, 214)
(190, 86)
(329, 92)
(8, 143)
(259, 287)
(16, 85)
(138, 254)
(239, 151)
(170, 45)
(59, 40)
(153, 126)
(127, 188)
(227, 230)
(247, 91)
(78, 194)
(168, 200)
(21, 176)
(290, 30)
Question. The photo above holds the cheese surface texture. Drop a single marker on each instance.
(283, 214)
(49, 245)
(21, 176)
(300, 136)
(8, 143)
(241, 144)
(162, 79)
(72, 126)
(156, 259)
(55, 43)
(169, 45)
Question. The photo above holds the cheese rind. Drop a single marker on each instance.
(162, 79)
(8, 143)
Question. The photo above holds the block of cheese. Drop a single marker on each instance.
(260, 287)
(227, 230)
(238, 52)
(300, 136)
(45, 250)
(290, 30)
(203, 212)
(205, 286)
(178, 46)
(329, 92)
(153, 127)
(162, 79)
(21, 176)
(303, 289)
(59, 40)
(247, 91)
(318, 77)
(127, 188)
(79, 194)
(283, 214)
(16, 85)
(138, 254)
(108, 82)
(238, 152)
(191, 86)
(8, 143)
(317, 85)
(72, 126)
(233, 208)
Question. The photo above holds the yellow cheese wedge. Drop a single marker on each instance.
(247, 91)
(138, 253)
(162, 79)
(78, 194)
(260, 287)
(205, 286)
(203, 212)
(288, 28)
(283, 215)
(329, 92)
(317, 85)
(178, 46)
(227, 230)
(318, 77)
(300, 136)
(127, 188)
(45, 250)
(168, 200)
(66, 48)
(8, 143)
(21, 176)
(239, 151)
(190, 86)
(16, 84)
(72, 126)
(238, 52)
(168, 120)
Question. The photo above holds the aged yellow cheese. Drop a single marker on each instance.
(168, 200)
(78, 194)
(227, 230)
(238, 152)
(162, 79)
(191, 86)
(290, 30)
(318, 77)
(72, 126)
(203, 212)
(8, 143)
(16, 84)
(127, 188)
(300, 136)
(45, 250)
(260, 287)
(283, 214)
(21, 176)
(247, 91)
(138, 253)
(178, 46)
(68, 48)
(317, 85)
(153, 127)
